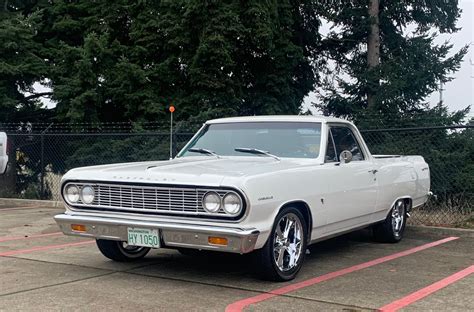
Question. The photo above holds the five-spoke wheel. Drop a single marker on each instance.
(282, 256)
(288, 244)
(391, 230)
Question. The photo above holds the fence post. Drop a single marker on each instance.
(175, 145)
(42, 186)
(42, 167)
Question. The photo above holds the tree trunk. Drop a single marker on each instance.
(373, 48)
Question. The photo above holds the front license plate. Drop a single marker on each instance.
(143, 237)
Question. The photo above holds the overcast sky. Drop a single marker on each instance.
(459, 93)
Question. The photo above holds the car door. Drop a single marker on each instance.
(3, 152)
(352, 187)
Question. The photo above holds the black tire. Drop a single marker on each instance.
(387, 231)
(118, 251)
(266, 257)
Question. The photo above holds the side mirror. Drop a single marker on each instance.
(3, 153)
(345, 157)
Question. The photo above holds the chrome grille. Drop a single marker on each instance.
(134, 198)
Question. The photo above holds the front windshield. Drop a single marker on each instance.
(282, 139)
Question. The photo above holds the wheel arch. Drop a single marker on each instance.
(408, 201)
(305, 210)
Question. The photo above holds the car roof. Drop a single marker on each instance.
(278, 118)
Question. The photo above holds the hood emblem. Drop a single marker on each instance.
(265, 198)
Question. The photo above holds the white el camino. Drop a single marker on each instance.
(271, 185)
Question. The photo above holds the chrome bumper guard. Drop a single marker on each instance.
(172, 234)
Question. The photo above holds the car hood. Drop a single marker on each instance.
(208, 171)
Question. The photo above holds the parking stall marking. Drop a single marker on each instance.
(13, 238)
(23, 208)
(41, 248)
(428, 290)
(241, 304)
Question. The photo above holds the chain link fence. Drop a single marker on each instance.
(41, 154)
(449, 151)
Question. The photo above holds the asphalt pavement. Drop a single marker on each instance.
(43, 270)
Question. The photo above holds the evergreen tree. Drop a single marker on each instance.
(123, 60)
(387, 77)
(21, 64)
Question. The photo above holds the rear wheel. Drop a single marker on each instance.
(391, 230)
(282, 256)
(121, 251)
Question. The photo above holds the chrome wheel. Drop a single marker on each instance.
(121, 251)
(133, 250)
(287, 242)
(398, 217)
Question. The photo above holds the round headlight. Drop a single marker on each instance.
(232, 204)
(72, 194)
(211, 202)
(87, 194)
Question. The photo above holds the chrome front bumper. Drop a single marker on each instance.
(172, 234)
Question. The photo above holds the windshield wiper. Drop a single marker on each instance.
(203, 151)
(256, 151)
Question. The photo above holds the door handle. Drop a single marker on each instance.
(374, 171)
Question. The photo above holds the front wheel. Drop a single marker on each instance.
(282, 256)
(121, 251)
(391, 230)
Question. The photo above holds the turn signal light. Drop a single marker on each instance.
(78, 227)
(217, 240)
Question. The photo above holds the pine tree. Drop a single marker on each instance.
(392, 85)
(127, 60)
(21, 64)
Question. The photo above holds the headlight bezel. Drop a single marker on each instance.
(91, 191)
(240, 204)
(66, 193)
(219, 202)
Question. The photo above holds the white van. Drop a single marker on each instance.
(3, 152)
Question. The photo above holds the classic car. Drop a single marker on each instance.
(271, 185)
(3, 152)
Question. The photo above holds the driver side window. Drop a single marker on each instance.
(344, 139)
(330, 150)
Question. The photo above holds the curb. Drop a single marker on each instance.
(14, 202)
(441, 230)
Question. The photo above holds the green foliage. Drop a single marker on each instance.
(20, 64)
(123, 60)
(411, 63)
(129, 60)
(449, 153)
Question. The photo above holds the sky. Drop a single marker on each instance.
(458, 93)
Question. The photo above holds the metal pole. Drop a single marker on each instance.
(42, 186)
(171, 136)
(42, 168)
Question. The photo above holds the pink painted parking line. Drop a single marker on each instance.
(41, 248)
(428, 290)
(242, 304)
(13, 238)
(25, 208)
(21, 208)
